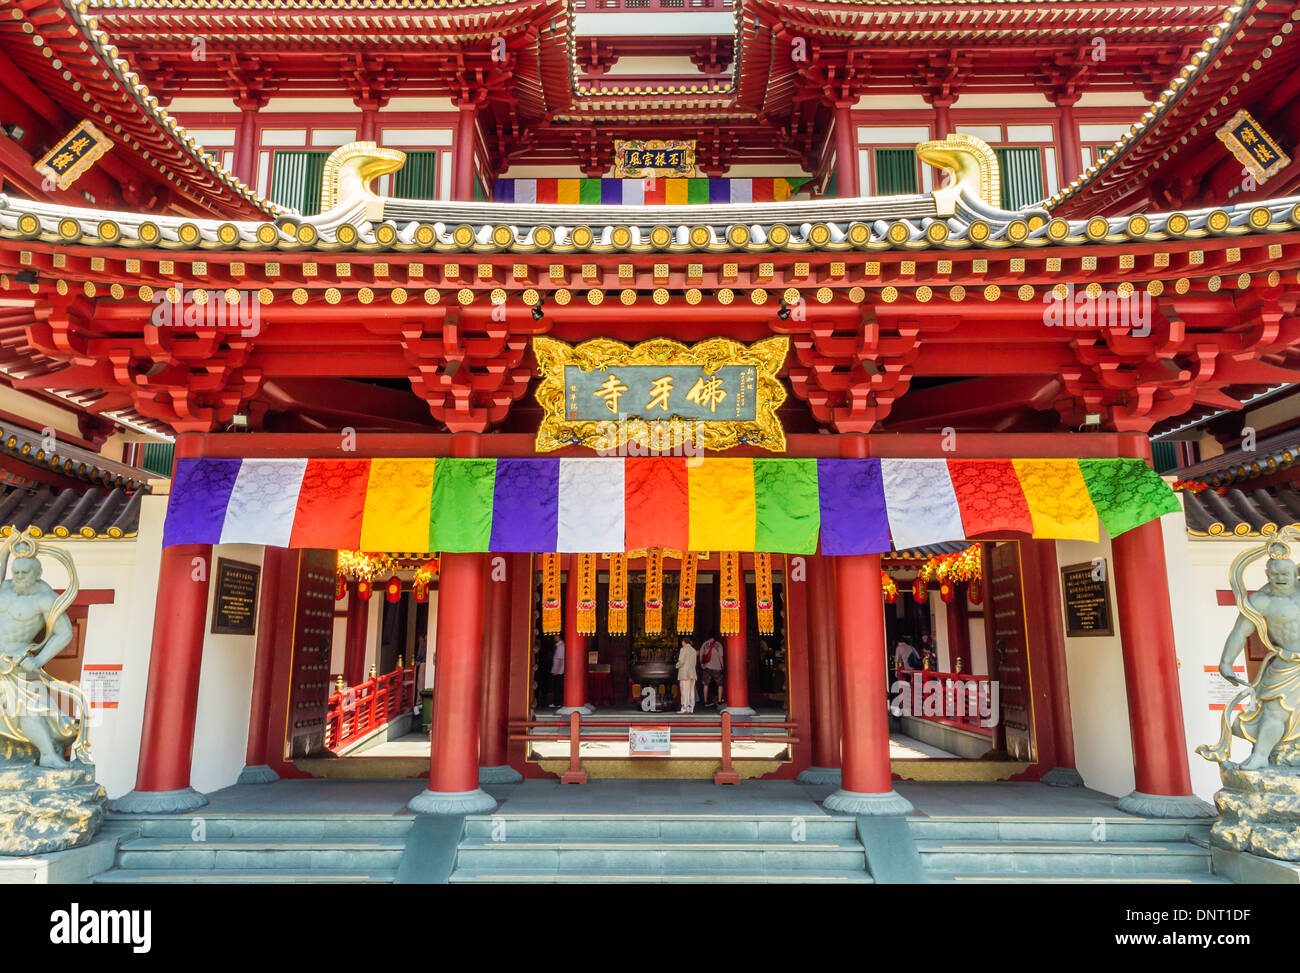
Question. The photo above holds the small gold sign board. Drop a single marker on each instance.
(74, 154)
(1252, 146)
(638, 158)
(660, 396)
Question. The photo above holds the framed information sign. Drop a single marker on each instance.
(1087, 599)
(234, 609)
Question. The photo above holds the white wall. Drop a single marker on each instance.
(939, 614)
(225, 689)
(1103, 746)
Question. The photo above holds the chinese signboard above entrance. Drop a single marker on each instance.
(1253, 148)
(636, 159)
(74, 154)
(660, 394)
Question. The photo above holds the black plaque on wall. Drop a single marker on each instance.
(1087, 599)
(234, 610)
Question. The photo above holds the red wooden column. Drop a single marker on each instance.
(162, 781)
(463, 159)
(245, 161)
(354, 638)
(575, 650)
(846, 151)
(735, 659)
(958, 630)
(1163, 784)
(867, 783)
(825, 767)
(1046, 627)
(454, 737)
(1068, 139)
(493, 768)
(276, 562)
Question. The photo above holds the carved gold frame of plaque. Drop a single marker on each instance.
(556, 431)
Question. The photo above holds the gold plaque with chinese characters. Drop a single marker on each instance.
(73, 154)
(660, 396)
(665, 159)
(1246, 139)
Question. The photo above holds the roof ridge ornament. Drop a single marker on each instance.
(974, 167)
(350, 169)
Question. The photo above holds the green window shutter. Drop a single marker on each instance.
(895, 172)
(1022, 177)
(418, 178)
(1164, 456)
(157, 458)
(296, 179)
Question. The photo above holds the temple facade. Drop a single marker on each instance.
(416, 379)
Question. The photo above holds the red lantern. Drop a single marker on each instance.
(363, 589)
(420, 588)
(340, 587)
(974, 592)
(393, 590)
(918, 591)
(945, 590)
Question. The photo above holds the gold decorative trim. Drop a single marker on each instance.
(557, 431)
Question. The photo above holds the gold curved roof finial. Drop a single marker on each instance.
(974, 167)
(351, 168)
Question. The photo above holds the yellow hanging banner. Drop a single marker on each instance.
(552, 617)
(654, 591)
(763, 594)
(729, 593)
(586, 581)
(616, 618)
(686, 594)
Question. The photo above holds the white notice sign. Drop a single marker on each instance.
(102, 686)
(648, 741)
(1219, 690)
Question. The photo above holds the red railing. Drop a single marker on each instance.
(725, 734)
(962, 696)
(360, 710)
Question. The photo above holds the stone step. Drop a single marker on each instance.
(703, 828)
(1131, 878)
(649, 857)
(583, 877)
(165, 854)
(245, 876)
(1120, 828)
(222, 827)
(1061, 857)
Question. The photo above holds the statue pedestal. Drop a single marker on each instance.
(1259, 812)
(44, 810)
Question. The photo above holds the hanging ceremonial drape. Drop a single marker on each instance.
(654, 591)
(686, 594)
(552, 617)
(586, 594)
(763, 593)
(729, 593)
(616, 618)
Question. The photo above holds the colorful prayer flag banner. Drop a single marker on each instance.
(603, 505)
(645, 192)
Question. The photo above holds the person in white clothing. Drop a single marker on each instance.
(557, 673)
(686, 675)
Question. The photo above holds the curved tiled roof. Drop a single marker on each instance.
(1243, 45)
(61, 50)
(907, 223)
(69, 513)
(1239, 513)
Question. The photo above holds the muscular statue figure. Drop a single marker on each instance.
(1274, 718)
(33, 630)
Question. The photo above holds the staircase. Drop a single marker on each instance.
(278, 848)
(1058, 849)
(577, 848)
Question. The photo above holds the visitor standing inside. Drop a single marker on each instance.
(557, 673)
(686, 657)
(711, 664)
